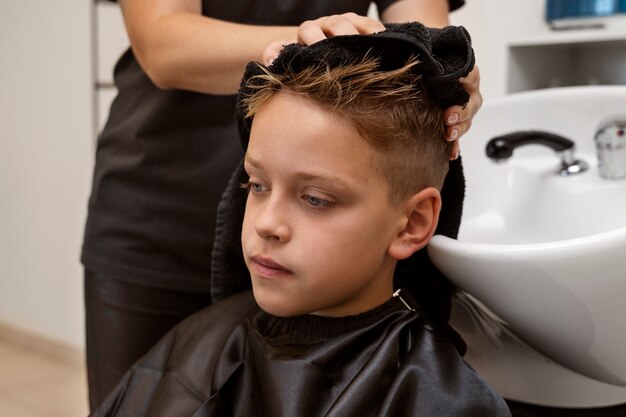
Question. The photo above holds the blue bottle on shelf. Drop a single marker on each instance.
(563, 9)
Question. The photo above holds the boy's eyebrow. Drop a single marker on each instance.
(340, 182)
(324, 176)
(252, 161)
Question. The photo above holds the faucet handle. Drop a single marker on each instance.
(501, 148)
(610, 141)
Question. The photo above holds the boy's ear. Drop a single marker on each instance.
(422, 214)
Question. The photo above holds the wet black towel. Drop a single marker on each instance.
(447, 56)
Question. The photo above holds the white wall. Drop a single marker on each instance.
(46, 148)
(492, 23)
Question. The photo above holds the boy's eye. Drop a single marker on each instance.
(254, 187)
(317, 202)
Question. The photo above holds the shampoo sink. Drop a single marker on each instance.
(545, 253)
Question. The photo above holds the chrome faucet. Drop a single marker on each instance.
(501, 148)
(610, 141)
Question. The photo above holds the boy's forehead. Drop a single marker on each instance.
(299, 111)
(293, 133)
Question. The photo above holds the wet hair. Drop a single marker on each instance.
(390, 109)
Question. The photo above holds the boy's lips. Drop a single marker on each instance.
(268, 268)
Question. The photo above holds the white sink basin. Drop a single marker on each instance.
(545, 253)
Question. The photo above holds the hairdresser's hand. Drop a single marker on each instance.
(316, 30)
(458, 119)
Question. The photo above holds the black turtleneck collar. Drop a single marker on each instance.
(310, 328)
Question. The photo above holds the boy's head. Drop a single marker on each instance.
(446, 56)
(345, 164)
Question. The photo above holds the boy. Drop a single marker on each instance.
(343, 170)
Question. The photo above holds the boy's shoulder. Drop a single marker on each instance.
(192, 349)
(213, 324)
(440, 381)
(176, 376)
(221, 316)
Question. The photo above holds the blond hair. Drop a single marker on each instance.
(390, 109)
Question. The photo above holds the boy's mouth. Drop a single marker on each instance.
(268, 268)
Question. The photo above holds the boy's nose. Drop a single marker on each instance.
(271, 223)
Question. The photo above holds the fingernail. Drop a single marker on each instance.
(453, 135)
(453, 118)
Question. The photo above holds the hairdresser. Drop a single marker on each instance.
(170, 145)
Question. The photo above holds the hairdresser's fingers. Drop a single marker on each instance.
(451, 116)
(452, 119)
(350, 24)
(310, 32)
(322, 28)
(272, 51)
(456, 132)
(313, 31)
(316, 30)
(457, 115)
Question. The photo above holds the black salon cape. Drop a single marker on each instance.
(232, 359)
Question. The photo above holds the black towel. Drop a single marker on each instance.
(446, 55)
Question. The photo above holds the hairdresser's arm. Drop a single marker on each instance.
(434, 13)
(179, 48)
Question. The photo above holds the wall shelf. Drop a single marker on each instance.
(566, 58)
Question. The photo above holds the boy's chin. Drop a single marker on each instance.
(279, 311)
(273, 305)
